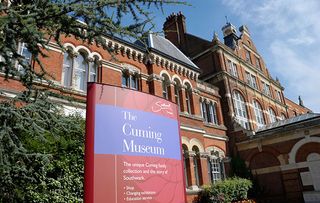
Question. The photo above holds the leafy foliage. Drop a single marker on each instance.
(39, 22)
(226, 191)
(41, 153)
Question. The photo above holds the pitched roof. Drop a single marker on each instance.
(290, 121)
(164, 47)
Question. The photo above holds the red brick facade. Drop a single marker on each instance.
(202, 140)
(251, 100)
(225, 100)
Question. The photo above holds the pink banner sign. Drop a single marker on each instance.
(133, 148)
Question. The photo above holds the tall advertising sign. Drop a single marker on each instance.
(133, 149)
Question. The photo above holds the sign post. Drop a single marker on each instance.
(133, 149)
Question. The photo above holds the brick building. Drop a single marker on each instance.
(272, 134)
(159, 69)
(229, 103)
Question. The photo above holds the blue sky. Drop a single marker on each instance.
(285, 32)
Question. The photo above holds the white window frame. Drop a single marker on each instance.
(71, 71)
(266, 88)
(258, 113)
(248, 56)
(188, 92)
(272, 115)
(213, 113)
(165, 87)
(240, 110)
(258, 65)
(131, 80)
(233, 69)
(67, 70)
(26, 54)
(278, 93)
(251, 80)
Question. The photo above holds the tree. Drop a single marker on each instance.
(37, 22)
(41, 153)
(41, 150)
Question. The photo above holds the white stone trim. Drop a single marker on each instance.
(196, 142)
(186, 141)
(294, 150)
(216, 137)
(187, 81)
(112, 68)
(53, 47)
(176, 77)
(165, 73)
(4, 93)
(191, 129)
(294, 166)
(173, 66)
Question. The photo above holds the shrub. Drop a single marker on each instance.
(41, 154)
(226, 191)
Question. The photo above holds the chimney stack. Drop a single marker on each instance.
(175, 29)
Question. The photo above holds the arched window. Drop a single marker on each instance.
(209, 111)
(240, 110)
(283, 117)
(186, 165)
(215, 165)
(165, 86)
(197, 165)
(177, 90)
(67, 70)
(272, 115)
(213, 113)
(258, 113)
(93, 70)
(78, 70)
(203, 109)
(188, 97)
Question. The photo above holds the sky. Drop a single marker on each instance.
(285, 32)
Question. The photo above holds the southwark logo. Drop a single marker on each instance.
(162, 106)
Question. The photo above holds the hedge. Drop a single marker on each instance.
(226, 191)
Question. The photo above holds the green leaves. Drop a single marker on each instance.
(226, 191)
(41, 153)
(36, 22)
